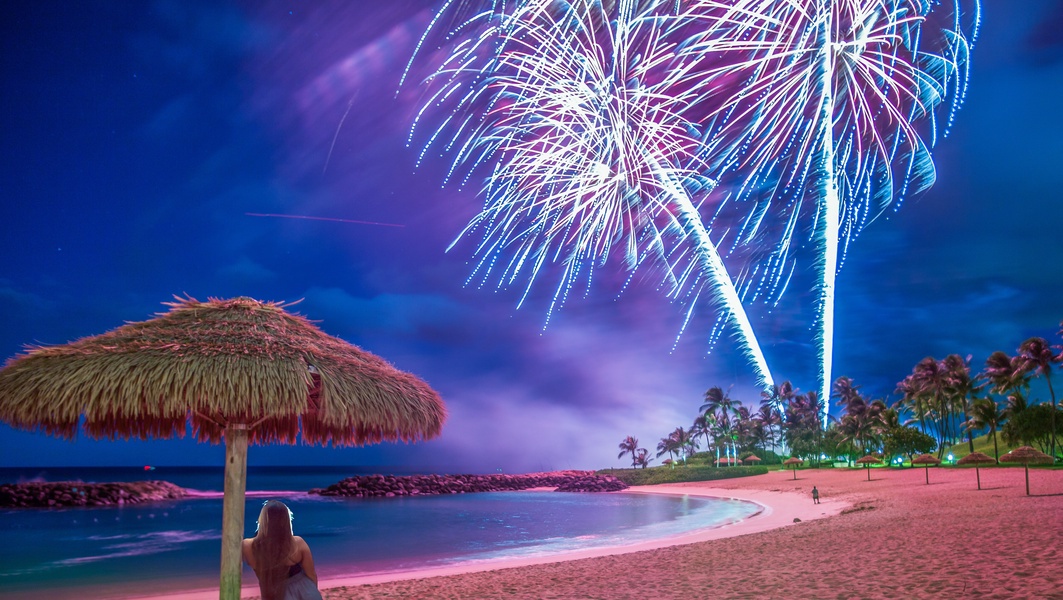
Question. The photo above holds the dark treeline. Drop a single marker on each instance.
(942, 402)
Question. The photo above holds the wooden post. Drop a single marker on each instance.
(232, 518)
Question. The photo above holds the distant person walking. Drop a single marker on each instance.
(281, 561)
(815, 495)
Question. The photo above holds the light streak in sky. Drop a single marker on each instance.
(787, 123)
(332, 219)
(576, 123)
(820, 115)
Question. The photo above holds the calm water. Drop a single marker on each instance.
(167, 546)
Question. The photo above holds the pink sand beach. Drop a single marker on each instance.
(891, 537)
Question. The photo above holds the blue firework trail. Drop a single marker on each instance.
(639, 127)
(573, 116)
(821, 116)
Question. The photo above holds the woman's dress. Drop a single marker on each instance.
(299, 586)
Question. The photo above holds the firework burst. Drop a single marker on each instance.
(577, 123)
(820, 116)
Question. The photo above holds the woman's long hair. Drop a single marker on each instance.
(271, 548)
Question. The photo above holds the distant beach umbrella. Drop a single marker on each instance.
(751, 458)
(794, 462)
(1027, 455)
(868, 460)
(727, 460)
(976, 458)
(240, 370)
(926, 460)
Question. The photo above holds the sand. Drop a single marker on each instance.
(891, 537)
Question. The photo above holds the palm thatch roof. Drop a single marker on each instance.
(215, 364)
(793, 460)
(976, 458)
(927, 459)
(752, 457)
(868, 460)
(1027, 455)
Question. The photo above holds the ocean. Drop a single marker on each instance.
(175, 545)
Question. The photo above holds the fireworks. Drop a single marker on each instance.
(834, 103)
(645, 125)
(580, 130)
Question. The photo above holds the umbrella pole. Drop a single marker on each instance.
(927, 469)
(1026, 467)
(795, 472)
(232, 527)
(978, 477)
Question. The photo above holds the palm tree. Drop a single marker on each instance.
(853, 421)
(703, 425)
(642, 458)
(1035, 356)
(803, 428)
(932, 393)
(723, 408)
(684, 441)
(767, 420)
(778, 398)
(846, 393)
(888, 418)
(630, 445)
(914, 401)
(717, 402)
(666, 446)
(985, 412)
(1005, 376)
(961, 387)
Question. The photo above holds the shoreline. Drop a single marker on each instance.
(893, 537)
(777, 509)
(782, 510)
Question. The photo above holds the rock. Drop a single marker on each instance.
(428, 485)
(66, 493)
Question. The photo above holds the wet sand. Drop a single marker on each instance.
(891, 537)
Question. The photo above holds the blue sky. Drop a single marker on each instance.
(140, 139)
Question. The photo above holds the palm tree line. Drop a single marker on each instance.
(940, 403)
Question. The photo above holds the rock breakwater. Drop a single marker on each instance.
(388, 486)
(62, 494)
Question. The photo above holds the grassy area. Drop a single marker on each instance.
(688, 472)
(982, 443)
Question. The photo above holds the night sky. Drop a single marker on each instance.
(140, 141)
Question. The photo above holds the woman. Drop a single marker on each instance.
(282, 561)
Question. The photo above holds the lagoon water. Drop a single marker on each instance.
(175, 545)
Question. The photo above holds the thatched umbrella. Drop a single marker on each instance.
(926, 460)
(752, 458)
(1027, 455)
(794, 462)
(976, 458)
(868, 460)
(239, 370)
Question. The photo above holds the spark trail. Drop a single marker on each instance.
(330, 219)
(578, 125)
(817, 114)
